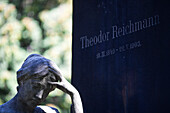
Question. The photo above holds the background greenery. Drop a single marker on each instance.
(34, 26)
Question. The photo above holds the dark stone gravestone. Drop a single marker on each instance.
(121, 55)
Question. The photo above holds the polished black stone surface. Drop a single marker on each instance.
(119, 67)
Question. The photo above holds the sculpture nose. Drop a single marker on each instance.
(39, 95)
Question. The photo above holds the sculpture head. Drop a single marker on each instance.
(33, 78)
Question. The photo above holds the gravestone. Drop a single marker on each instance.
(121, 55)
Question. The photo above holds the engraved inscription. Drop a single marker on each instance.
(119, 31)
(119, 49)
(88, 42)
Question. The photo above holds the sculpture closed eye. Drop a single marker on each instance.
(38, 85)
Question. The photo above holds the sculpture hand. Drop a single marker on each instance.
(66, 87)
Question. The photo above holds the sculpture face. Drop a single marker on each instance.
(36, 89)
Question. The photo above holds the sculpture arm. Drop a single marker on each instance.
(77, 104)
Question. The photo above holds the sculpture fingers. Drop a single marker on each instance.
(60, 85)
(56, 73)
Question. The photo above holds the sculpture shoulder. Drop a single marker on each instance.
(39, 109)
(45, 109)
(4, 109)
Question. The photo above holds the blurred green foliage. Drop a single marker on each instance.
(34, 26)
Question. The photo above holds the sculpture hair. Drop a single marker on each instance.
(35, 64)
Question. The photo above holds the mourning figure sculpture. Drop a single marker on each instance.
(36, 78)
